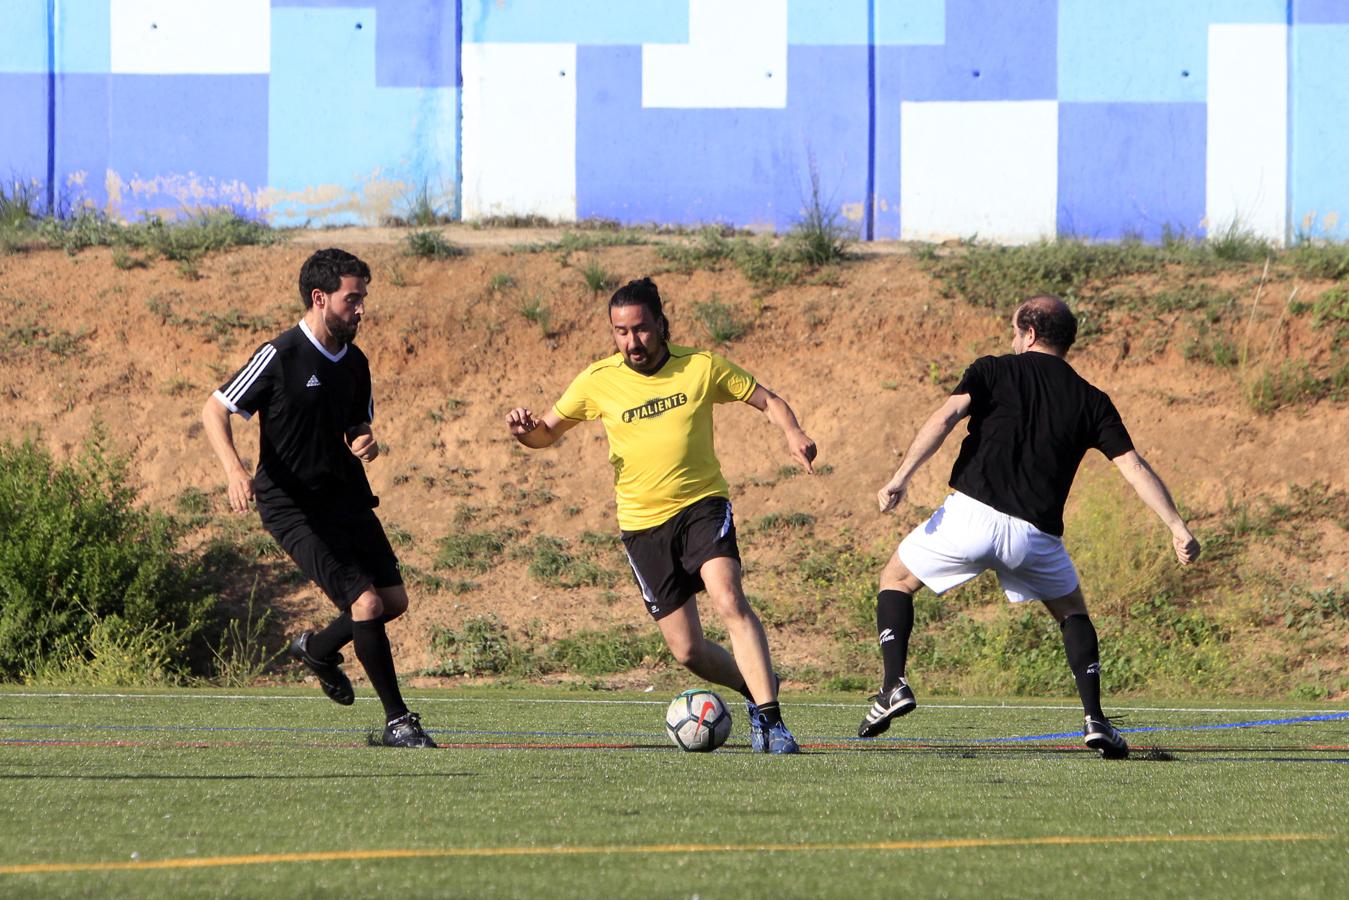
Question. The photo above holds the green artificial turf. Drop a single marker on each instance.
(516, 804)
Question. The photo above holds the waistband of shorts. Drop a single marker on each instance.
(979, 506)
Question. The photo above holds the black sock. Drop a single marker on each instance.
(770, 714)
(743, 689)
(894, 624)
(1084, 658)
(331, 638)
(372, 649)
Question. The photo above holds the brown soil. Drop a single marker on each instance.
(861, 354)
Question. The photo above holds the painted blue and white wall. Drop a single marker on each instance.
(920, 119)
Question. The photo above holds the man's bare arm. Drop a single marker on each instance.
(1153, 492)
(537, 432)
(799, 444)
(928, 440)
(215, 419)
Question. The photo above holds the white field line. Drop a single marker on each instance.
(560, 701)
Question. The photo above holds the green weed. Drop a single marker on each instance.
(475, 551)
(550, 563)
(719, 320)
(821, 236)
(536, 310)
(482, 646)
(242, 655)
(430, 245)
(1290, 383)
(605, 652)
(597, 278)
(779, 522)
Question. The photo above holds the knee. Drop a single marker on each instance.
(897, 577)
(395, 603)
(686, 653)
(733, 609)
(367, 606)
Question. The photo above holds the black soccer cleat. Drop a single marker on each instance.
(1101, 736)
(406, 731)
(332, 679)
(888, 705)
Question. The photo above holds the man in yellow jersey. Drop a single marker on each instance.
(674, 510)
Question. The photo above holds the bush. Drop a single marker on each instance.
(84, 574)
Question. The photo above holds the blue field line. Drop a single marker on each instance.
(1060, 735)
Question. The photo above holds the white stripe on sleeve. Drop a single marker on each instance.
(237, 388)
(225, 402)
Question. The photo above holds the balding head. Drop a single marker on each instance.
(1045, 323)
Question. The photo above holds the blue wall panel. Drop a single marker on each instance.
(993, 51)
(1112, 157)
(23, 109)
(1320, 12)
(1320, 113)
(747, 166)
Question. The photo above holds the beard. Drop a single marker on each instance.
(344, 332)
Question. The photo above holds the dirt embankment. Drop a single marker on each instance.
(862, 352)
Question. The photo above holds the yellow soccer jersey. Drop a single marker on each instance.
(659, 428)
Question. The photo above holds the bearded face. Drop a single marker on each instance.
(341, 329)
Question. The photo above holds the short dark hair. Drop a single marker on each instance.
(1053, 321)
(642, 292)
(324, 271)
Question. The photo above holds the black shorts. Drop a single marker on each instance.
(666, 559)
(344, 553)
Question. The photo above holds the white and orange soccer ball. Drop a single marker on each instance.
(698, 721)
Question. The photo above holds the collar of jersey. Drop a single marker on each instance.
(332, 357)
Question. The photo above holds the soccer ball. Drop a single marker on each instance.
(698, 721)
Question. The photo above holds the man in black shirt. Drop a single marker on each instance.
(311, 388)
(1032, 419)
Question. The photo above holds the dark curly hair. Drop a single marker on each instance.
(324, 271)
(1054, 323)
(642, 292)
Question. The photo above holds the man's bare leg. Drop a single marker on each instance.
(683, 633)
(721, 577)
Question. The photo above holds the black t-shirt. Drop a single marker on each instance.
(1032, 419)
(308, 399)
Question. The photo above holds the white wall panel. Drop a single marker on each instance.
(519, 130)
(194, 37)
(1247, 150)
(985, 168)
(736, 57)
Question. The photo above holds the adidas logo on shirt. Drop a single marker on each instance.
(312, 382)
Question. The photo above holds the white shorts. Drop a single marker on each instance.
(964, 537)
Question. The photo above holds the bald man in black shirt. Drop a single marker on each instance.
(1032, 419)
